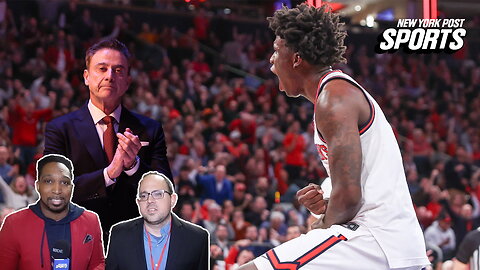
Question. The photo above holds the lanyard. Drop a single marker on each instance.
(163, 249)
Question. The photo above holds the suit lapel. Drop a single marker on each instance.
(87, 134)
(128, 120)
(138, 244)
(176, 241)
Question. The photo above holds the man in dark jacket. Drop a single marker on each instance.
(158, 239)
(53, 228)
(110, 146)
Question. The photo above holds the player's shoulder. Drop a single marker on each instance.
(334, 78)
(340, 87)
(338, 91)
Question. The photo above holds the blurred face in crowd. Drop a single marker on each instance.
(55, 187)
(293, 232)
(3, 155)
(221, 232)
(20, 184)
(238, 216)
(445, 224)
(239, 191)
(276, 222)
(259, 204)
(214, 212)
(220, 172)
(262, 184)
(462, 154)
(245, 256)
(107, 78)
(184, 175)
(29, 109)
(435, 193)
(466, 211)
(228, 207)
(155, 211)
(186, 212)
(251, 233)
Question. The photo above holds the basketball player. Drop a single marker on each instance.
(369, 221)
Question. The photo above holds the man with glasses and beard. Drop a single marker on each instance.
(158, 239)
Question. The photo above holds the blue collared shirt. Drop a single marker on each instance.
(157, 245)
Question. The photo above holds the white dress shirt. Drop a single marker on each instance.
(97, 116)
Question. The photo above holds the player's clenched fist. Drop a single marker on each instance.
(311, 197)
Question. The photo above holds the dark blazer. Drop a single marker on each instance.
(188, 250)
(74, 135)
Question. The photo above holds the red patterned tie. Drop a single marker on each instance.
(109, 138)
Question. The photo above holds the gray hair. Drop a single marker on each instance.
(277, 215)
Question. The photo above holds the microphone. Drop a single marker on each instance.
(61, 255)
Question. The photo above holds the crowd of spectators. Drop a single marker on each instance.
(238, 148)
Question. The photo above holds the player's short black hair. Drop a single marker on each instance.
(54, 158)
(315, 33)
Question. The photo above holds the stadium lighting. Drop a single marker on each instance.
(370, 21)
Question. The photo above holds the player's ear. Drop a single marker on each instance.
(297, 60)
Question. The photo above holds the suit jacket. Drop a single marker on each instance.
(21, 246)
(74, 135)
(188, 250)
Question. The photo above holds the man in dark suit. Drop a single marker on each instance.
(109, 146)
(158, 239)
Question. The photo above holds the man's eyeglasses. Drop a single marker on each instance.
(156, 194)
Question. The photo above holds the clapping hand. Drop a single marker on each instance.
(130, 144)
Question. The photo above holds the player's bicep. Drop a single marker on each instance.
(337, 117)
